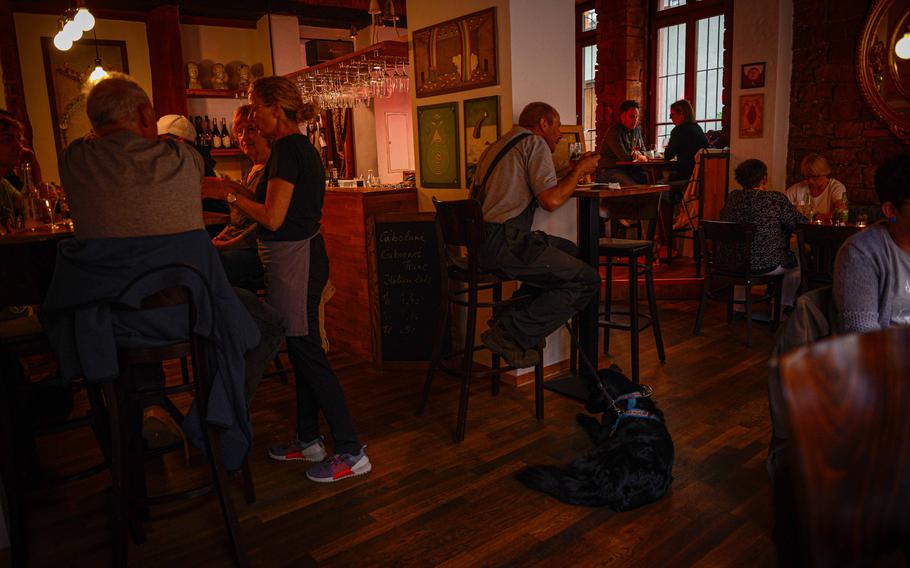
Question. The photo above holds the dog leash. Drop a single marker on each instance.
(632, 396)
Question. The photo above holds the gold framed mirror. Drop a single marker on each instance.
(884, 78)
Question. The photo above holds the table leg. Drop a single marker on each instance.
(575, 384)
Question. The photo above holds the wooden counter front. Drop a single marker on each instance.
(344, 225)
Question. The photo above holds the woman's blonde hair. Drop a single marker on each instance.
(282, 91)
(814, 165)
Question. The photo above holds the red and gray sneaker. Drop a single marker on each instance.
(299, 451)
(340, 466)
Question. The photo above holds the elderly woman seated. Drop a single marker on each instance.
(774, 218)
(872, 270)
(818, 188)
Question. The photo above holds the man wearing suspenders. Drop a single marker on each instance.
(515, 175)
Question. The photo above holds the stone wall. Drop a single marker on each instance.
(827, 112)
(622, 67)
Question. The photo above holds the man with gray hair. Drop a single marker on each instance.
(515, 175)
(137, 208)
(121, 181)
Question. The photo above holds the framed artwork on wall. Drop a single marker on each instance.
(751, 116)
(456, 55)
(753, 76)
(570, 133)
(437, 145)
(481, 129)
(66, 73)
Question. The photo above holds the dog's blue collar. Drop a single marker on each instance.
(631, 402)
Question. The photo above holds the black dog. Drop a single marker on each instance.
(633, 462)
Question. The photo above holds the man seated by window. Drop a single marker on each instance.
(623, 143)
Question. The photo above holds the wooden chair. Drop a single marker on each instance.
(728, 254)
(126, 400)
(685, 215)
(818, 246)
(847, 400)
(460, 224)
(626, 253)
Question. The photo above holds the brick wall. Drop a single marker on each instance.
(827, 112)
(12, 73)
(622, 68)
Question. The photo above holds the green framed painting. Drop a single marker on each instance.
(481, 129)
(437, 145)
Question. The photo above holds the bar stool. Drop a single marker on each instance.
(625, 253)
(460, 224)
(125, 401)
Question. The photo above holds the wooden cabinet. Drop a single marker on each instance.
(345, 215)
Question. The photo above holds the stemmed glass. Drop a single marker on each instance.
(50, 196)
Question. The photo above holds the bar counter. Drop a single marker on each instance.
(345, 216)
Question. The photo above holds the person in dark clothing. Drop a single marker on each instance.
(557, 282)
(623, 143)
(686, 139)
(774, 217)
(287, 205)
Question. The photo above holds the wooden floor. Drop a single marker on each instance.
(429, 501)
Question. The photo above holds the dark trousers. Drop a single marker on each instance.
(317, 386)
(243, 268)
(558, 284)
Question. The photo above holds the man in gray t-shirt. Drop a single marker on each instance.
(557, 283)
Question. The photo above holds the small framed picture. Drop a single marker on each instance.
(753, 76)
(751, 116)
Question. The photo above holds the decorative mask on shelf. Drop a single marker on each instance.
(192, 76)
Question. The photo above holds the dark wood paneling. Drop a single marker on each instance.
(168, 83)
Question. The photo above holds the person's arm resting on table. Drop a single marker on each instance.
(552, 199)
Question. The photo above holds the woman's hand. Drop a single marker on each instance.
(215, 188)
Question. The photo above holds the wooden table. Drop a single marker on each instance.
(575, 384)
(28, 259)
(653, 168)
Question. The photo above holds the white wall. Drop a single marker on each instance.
(763, 31)
(285, 44)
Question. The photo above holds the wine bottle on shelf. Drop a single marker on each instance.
(197, 122)
(206, 132)
(225, 135)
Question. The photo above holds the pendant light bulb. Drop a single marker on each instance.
(72, 31)
(98, 74)
(62, 42)
(902, 47)
(84, 19)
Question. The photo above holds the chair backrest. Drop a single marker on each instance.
(847, 400)
(818, 246)
(459, 223)
(644, 207)
(727, 246)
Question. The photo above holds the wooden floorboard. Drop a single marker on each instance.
(430, 501)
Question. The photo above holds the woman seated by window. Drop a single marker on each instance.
(818, 188)
(686, 139)
(872, 270)
(774, 218)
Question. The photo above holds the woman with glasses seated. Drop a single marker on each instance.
(818, 188)
(872, 270)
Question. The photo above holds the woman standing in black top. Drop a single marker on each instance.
(686, 139)
(287, 204)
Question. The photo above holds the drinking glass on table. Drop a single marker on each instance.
(50, 196)
(574, 151)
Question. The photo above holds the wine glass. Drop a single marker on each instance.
(50, 196)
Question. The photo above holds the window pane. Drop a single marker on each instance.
(671, 75)
(664, 4)
(589, 97)
(709, 72)
(589, 20)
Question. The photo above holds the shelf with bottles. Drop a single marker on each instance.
(215, 94)
(222, 152)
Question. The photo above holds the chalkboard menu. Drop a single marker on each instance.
(405, 285)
